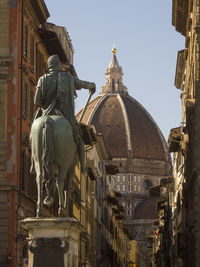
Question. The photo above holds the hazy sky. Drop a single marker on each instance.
(147, 46)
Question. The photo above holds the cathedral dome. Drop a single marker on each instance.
(128, 129)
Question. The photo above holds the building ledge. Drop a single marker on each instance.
(174, 139)
(179, 15)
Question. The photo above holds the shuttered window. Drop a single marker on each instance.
(30, 108)
(24, 99)
(32, 51)
(26, 41)
(40, 64)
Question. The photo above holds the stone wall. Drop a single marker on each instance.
(189, 146)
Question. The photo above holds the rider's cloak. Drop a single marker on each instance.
(55, 93)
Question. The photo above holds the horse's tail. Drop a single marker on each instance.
(47, 159)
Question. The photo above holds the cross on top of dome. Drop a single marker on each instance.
(114, 50)
(114, 62)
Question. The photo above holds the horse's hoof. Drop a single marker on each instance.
(48, 201)
(39, 213)
(61, 213)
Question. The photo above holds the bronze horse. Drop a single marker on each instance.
(52, 143)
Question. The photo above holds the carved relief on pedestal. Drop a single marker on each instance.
(48, 252)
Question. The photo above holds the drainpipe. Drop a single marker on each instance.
(20, 124)
(21, 94)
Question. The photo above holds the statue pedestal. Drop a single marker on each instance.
(53, 241)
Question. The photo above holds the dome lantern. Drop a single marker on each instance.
(114, 84)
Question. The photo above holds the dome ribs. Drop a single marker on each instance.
(89, 110)
(126, 122)
(109, 120)
(146, 141)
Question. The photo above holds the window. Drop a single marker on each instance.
(113, 85)
(118, 187)
(40, 65)
(26, 41)
(92, 187)
(32, 51)
(124, 178)
(23, 170)
(24, 99)
(123, 187)
(129, 212)
(146, 184)
(27, 184)
(31, 106)
(118, 179)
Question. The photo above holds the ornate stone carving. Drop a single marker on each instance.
(48, 252)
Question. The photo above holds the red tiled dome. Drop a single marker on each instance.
(126, 126)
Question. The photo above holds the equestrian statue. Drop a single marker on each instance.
(56, 138)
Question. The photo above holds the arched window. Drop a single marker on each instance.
(113, 85)
(146, 184)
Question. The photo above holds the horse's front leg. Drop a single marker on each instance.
(39, 211)
(60, 188)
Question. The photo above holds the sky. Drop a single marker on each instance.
(147, 46)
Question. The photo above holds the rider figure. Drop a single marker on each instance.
(55, 94)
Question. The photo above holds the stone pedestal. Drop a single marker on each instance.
(53, 241)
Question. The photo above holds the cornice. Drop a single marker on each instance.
(40, 10)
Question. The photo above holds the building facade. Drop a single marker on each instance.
(25, 45)
(179, 206)
(184, 140)
(19, 21)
